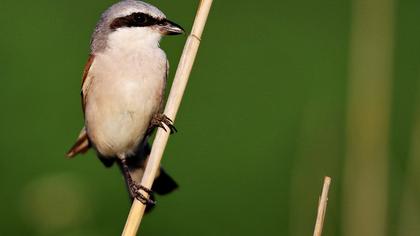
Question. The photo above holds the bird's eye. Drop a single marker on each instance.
(140, 18)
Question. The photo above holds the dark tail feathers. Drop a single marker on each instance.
(164, 183)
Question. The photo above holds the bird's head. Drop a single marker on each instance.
(132, 20)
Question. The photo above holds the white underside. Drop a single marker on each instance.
(127, 86)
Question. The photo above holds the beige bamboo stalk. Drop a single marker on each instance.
(322, 207)
(174, 100)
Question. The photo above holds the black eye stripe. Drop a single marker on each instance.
(135, 20)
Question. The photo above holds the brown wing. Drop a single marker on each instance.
(82, 144)
(87, 80)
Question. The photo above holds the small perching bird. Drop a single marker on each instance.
(123, 89)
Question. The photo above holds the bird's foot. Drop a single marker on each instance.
(159, 119)
(135, 188)
(135, 193)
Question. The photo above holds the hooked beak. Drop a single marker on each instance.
(167, 27)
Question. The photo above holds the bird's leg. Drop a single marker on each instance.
(134, 188)
(159, 119)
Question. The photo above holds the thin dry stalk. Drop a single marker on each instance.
(174, 100)
(322, 207)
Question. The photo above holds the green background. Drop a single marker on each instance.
(264, 118)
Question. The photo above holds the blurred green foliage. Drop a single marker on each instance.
(262, 121)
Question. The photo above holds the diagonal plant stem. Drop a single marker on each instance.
(322, 207)
(174, 100)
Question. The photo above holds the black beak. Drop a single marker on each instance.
(168, 27)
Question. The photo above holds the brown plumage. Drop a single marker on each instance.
(82, 144)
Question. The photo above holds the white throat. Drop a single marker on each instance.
(134, 39)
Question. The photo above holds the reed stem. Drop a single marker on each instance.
(174, 100)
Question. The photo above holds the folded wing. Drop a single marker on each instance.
(82, 144)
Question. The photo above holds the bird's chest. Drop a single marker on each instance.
(129, 81)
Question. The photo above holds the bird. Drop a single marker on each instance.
(122, 92)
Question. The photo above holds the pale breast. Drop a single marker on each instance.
(126, 91)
